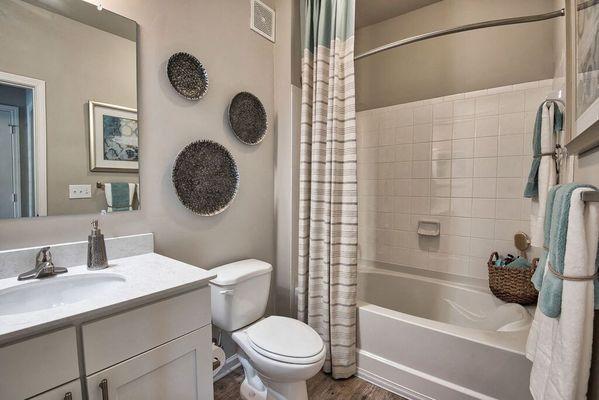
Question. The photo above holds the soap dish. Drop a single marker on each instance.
(429, 228)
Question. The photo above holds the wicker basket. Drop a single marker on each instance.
(512, 285)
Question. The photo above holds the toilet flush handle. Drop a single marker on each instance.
(228, 292)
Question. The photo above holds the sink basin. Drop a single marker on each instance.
(57, 291)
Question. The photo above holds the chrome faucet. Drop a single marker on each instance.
(43, 267)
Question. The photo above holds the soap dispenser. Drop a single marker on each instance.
(96, 248)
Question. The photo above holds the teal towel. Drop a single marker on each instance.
(120, 196)
(532, 185)
(556, 229)
(519, 262)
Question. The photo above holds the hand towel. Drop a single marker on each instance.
(560, 348)
(119, 196)
(543, 173)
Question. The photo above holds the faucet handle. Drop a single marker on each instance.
(44, 255)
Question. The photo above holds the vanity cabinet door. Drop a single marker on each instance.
(69, 391)
(180, 369)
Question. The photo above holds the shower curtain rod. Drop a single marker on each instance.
(464, 28)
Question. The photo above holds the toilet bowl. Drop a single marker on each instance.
(278, 354)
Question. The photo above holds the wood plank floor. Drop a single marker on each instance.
(321, 387)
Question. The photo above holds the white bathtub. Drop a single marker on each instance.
(427, 338)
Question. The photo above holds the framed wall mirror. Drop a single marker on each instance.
(583, 74)
(69, 139)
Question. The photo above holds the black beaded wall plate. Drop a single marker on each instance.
(247, 118)
(205, 177)
(187, 75)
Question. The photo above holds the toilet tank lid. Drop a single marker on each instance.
(239, 271)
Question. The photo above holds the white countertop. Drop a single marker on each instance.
(148, 277)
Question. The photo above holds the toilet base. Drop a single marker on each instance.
(256, 387)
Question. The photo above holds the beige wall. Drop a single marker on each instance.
(236, 59)
(78, 63)
(457, 63)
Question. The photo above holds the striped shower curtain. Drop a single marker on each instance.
(328, 209)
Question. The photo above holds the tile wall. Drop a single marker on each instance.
(461, 160)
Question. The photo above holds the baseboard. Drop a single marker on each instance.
(408, 382)
(231, 364)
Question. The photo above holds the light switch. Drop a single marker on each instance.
(80, 191)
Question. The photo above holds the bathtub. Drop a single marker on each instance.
(427, 338)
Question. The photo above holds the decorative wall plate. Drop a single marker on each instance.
(247, 118)
(187, 75)
(205, 177)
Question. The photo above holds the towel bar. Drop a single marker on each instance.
(590, 196)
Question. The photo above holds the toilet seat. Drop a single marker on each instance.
(285, 340)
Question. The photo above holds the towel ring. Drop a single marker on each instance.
(572, 278)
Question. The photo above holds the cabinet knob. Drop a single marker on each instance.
(68, 396)
(104, 388)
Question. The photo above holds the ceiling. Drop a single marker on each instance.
(370, 12)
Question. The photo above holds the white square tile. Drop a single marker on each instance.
(384, 220)
(384, 204)
(441, 150)
(387, 137)
(511, 102)
(440, 187)
(509, 167)
(485, 167)
(464, 108)
(404, 135)
(504, 246)
(510, 188)
(401, 187)
(487, 105)
(459, 245)
(421, 151)
(461, 187)
(461, 207)
(483, 228)
(511, 124)
(444, 110)
(527, 144)
(386, 154)
(506, 228)
(460, 226)
(402, 205)
(421, 205)
(485, 146)
(403, 170)
(511, 145)
(403, 152)
(385, 187)
(420, 187)
(423, 133)
(462, 148)
(401, 221)
(525, 209)
(385, 171)
(483, 208)
(404, 117)
(419, 259)
(442, 130)
(509, 208)
(484, 187)
(462, 168)
(487, 126)
(421, 169)
(370, 139)
(440, 206)
(535, 96)
(463, 128)
(529, 122)
(423, 115)
(477, 267)
(526, 85)
(481, 248)
(441, 169)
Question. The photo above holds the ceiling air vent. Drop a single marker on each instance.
(263, 20)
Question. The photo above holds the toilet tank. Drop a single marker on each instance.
(239, 293)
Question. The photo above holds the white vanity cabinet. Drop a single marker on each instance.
(69, 391)
(38, 364)
(159, 351)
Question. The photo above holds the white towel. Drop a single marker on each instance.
(560, 348)
(547, 177)
(108, 194)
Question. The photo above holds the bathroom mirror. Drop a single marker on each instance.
(68, 109)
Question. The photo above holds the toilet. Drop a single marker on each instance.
(278, 354)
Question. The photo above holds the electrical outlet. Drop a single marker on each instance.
(80, 191)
